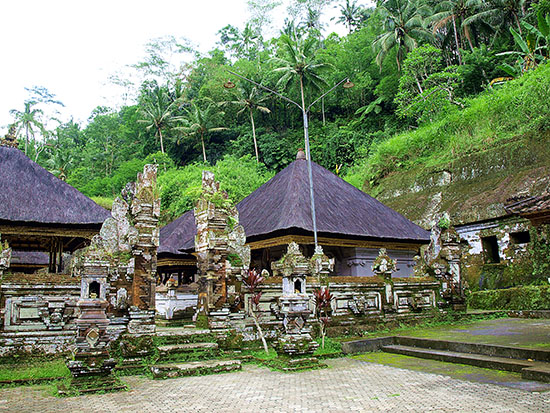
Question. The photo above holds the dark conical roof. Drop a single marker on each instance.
(178, 234)
(283, 203)
(30, 194)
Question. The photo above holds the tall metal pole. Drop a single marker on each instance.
(306, 138)
(310, 175)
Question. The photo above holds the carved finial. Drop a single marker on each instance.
(10, 140)
(301, 155)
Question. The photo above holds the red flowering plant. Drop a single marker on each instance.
(323, 300)
(252, 283)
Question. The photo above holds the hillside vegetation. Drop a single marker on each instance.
(424, 95)
(516, 110)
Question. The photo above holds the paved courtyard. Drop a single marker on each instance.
(347, 386)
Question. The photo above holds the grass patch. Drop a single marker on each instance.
(104, 202)
(34, 370)
(333, 348)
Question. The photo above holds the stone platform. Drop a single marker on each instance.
(346, 386)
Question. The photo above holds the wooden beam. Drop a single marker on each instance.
(66, 232)
(332, 242)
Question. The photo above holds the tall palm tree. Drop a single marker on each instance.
(350, 15)
(404, 26)
(454, 12)
(28, 120)
(158, 111)
(499, 14)
(200, 122)
(250, 101)
(298, 62)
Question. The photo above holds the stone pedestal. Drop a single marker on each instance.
(383, 267)
(5, 256)
(296, 339)
(91, 358)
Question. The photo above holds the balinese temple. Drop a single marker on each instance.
(41, 216)
(352, 226)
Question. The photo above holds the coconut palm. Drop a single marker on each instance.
(404, 26)
(200, 122)
(499, 14)
(158, 110)
(249, 101)
(28, 120)
(350, 15)
(298, 62)
(455, 12)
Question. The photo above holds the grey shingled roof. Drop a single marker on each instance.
(30, 194)
(283, 204)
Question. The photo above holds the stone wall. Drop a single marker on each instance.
(477, 238)
(355, 300)
(38, 316)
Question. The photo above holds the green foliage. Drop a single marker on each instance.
(444, 222)
(35, 370)
(520, 107)
(105, 202)
(452, 49)
(426, 87)
(181, 188)
(540, 252)
(519, 298)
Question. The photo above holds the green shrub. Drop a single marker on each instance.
(533, 297)
(520, 107)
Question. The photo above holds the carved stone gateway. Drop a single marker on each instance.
(145, 209)
(222, 256)
(118, 269)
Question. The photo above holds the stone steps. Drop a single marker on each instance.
(478, 360)
(184, 335)
(531, 370)
(188, 351)
(533, 364)
(195, 368)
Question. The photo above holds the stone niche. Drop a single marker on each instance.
(94, 283)
(357, 262)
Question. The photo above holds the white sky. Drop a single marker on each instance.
(71, 47)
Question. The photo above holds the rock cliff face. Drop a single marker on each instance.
(471, 188)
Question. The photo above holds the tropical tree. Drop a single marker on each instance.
(250, 101)
(455, 13)
(28, 120)
(403, 28)
(158, 110)
(200, 122)
(298, 62)
(499, 14)
(350, 15)
(531, 48)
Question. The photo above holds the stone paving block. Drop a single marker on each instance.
(348, 385)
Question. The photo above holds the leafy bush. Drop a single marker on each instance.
(519, 298)
(520, 107)
(180, 188)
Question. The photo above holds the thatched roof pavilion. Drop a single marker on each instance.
(39, 212)
(279, 212)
